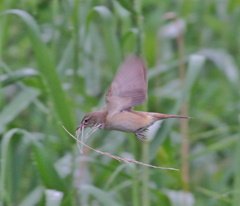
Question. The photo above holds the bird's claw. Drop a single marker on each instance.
(140, 133)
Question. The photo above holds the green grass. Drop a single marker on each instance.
(57, 59)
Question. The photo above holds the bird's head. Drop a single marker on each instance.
(92, 119)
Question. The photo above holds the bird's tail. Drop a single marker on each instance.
(160, 116)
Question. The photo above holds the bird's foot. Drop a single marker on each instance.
(140, 133)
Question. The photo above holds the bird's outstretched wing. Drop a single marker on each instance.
(129, 86)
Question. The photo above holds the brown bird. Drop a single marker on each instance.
(128, 89)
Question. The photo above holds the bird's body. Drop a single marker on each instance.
(128, 89)
(129, 121)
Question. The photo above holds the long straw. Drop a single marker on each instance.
(116, 157)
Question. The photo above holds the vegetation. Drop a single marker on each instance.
(57, 59)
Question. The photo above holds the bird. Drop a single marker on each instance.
(128, 89)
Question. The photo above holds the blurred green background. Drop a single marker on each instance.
(57, 59)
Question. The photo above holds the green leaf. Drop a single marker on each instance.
(215, 195)
(112, 45)
(196, 63)
(33, 197)
(17, 105)
(224, 63)
(5, 169)
(66, 58)
(47, 68)
(126, 4)
(103, 11)
(218, 146)
(6, 80)
(44, 164)
(46, 170)
(103, 197)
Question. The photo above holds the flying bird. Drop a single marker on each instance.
(128, 89)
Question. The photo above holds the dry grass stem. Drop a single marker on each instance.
(116, 157)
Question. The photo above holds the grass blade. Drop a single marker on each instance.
(17, 105)
(6, 80)
(103, 197)
(47, 68)
(196, 63)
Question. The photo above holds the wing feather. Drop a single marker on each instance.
(129, 87)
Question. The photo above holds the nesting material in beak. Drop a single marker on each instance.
(83, 138)
(79, 128)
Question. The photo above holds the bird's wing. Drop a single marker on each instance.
(129, 87)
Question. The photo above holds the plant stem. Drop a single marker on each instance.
(75, 22)
(145, 145)
(138, 24)
(184, 111)
(55, 11)
(236, 197)
(135, 185)
(145, 175)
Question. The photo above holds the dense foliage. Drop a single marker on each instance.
(57, 59)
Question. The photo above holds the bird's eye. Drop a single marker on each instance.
(86, 120)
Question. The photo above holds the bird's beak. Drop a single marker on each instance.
(79, 128)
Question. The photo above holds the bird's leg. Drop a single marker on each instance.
(140, 133)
